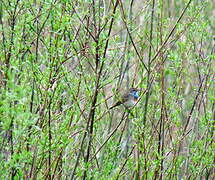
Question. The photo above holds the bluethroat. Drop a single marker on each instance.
(128, 99)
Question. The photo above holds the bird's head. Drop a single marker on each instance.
(134, 92)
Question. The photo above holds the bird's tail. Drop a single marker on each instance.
(117, 104)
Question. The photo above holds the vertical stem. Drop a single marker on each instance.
(162, 116)
(13, 171)
(148, 82)
(149, 65)
(50, 142)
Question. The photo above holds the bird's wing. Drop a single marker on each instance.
(125, 97)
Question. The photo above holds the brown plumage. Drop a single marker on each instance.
(129, 98)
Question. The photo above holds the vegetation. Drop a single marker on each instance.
(63, 64)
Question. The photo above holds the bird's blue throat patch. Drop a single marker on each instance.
(135, 94)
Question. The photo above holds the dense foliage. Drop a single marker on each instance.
(65, 62)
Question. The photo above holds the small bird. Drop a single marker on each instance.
(128, 99)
